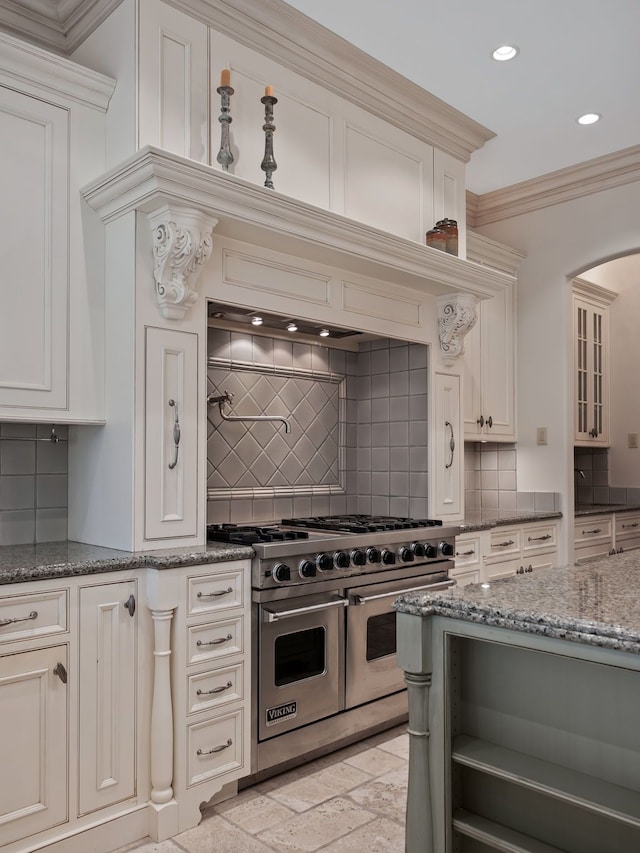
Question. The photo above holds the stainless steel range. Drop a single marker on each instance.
(324, 639)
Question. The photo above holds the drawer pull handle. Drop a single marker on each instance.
(61, 672)
(220, 748)
(540, 538)
(214, 642)
(30, 617)
(220, 689)
(595, 530)
(504, 544)
(215, 594)
(465, 553)
(176, 434)
(635, 524)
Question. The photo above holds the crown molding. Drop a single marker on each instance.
(591, 176)
(59, 27)
(582, 287)
(254, 214)
(482, 250)
(35, 65)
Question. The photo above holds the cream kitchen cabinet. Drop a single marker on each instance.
(69, 690)
(520, 549)
(593, 536)
(591, 363)
(627, 531)
(490, 351)
(52, 121)
(468, 559)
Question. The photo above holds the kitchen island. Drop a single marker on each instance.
(523, 712)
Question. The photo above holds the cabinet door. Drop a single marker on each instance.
(591, 393)
(107, 695)
(498, 360)
(33, 245)
(33, 742)
(472, 381)
(448, 446)
(171, 434)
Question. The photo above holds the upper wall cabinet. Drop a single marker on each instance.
(329, 152)
(52, 127)
(591, 363)
(490, 352)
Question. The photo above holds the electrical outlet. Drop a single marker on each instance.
(633, 440)
(542, 435)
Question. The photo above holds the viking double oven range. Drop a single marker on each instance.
(324, 638)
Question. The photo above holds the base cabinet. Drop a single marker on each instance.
(505, 551)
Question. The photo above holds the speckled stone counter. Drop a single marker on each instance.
(487, 519)
(596, 603)
(19, 563)
(600, 509)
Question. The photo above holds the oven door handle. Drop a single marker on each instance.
(276, 615)
(363, 599)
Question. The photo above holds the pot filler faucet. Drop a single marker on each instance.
(226, 397)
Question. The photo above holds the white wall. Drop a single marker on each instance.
(623, 276)
(560, 243)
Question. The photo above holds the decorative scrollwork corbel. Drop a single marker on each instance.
(456, 316)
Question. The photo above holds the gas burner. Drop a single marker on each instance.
(250, 534)
(359, 523)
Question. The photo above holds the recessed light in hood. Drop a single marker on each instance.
(247, 317)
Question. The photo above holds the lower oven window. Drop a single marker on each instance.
(299, 655)
(381, 635)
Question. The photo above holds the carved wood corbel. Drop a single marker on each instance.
(456, 316)
(182, 243)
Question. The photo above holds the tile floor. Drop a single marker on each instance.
(348, 802)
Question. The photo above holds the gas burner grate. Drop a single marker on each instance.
(359, 523)
(250, 534)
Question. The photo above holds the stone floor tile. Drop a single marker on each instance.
(398, 746)
(379, 836)
(376, 761)
(257, 814)
(216, 833)
(312, 829)
(310, 790)
(386, 795)
(146, 845)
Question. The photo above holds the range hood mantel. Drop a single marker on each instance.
(153, 178)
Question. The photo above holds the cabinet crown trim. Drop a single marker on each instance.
(254, 214)
(584, 288)
(33, 65)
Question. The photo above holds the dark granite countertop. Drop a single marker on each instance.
(486, 519)
(600, 509)
(590, 603)
(20, 563)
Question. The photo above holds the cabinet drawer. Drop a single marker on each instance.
(627, 526)
(502, 569)
(467, 551)
(505, 541)
(215, 640)
(539, 538)
(214, 688)
(464, 577)
(214, 747)
(37, 614)
(593, 529)
(215, 592)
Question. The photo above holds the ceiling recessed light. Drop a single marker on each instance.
(589, 118)
(505, 52)
(291, 327)
(256, 321)
(324, 333)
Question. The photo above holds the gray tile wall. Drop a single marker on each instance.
(593, 487)
(491, 483)
(33, 485)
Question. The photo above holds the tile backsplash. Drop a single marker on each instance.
(33, 484)
(591, 479)
(359, 429)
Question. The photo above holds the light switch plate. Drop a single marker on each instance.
(542, 435)
(633, 439)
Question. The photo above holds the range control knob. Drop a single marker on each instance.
(281, 572)
(307, 569)
(430, 551)
(358, 557)
(446, 549)
(324, 562)
(341, 560)
(374, 555)
(406, 555)
(419, 549)
(388, 557)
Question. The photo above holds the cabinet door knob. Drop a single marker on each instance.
(480, 421)
(61, 672)
(130, 604)
(489, 421)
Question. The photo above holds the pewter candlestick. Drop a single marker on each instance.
(225, 155)
(268, 164)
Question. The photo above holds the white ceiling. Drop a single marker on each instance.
(576, 56)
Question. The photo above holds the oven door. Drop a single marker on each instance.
(372, 670)
(301, 662)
